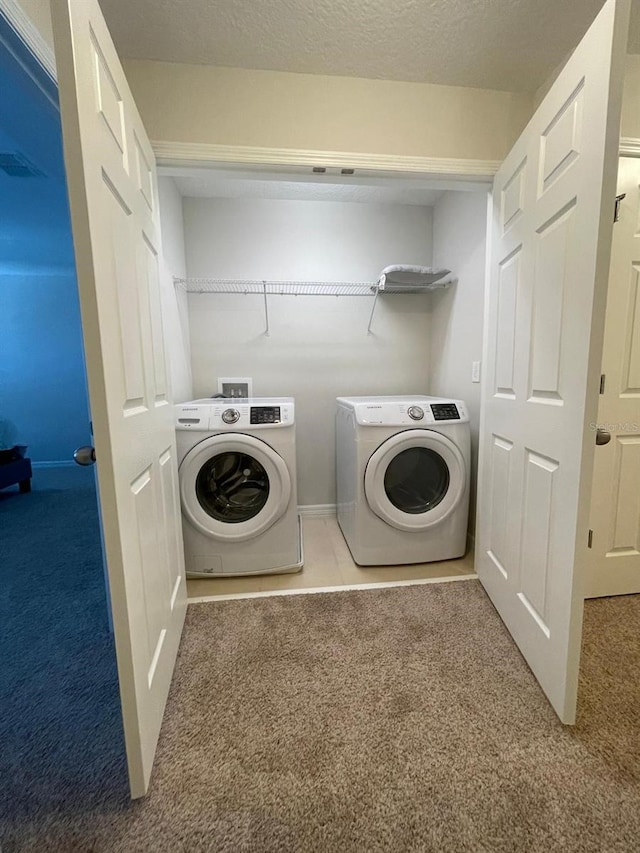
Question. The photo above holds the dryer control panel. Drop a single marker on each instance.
(445, 412)
(414, 412)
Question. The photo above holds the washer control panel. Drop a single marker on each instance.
(264, 414)
(192, 416)
(219, 415)
(261, 413)
(230, 416)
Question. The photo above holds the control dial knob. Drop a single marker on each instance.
(231, 416)
(415, 412)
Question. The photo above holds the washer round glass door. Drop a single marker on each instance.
(415, 479)
(233, 487)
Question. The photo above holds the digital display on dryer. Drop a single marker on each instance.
(445, 412)
(265, 415)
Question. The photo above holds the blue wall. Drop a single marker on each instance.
(42, 381)
(42, 377)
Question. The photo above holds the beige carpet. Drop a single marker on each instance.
(380, 720)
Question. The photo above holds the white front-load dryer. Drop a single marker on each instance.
(237, 473)
(402, 478)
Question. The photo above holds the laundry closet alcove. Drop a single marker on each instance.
(255, 254)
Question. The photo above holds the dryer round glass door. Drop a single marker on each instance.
(233, 487)
(415, 479)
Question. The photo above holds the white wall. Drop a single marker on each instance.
(175, 314)
(318, 348)
(459, 243)
(43, 391)
(631, 98)
(274, 109)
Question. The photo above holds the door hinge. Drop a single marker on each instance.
(602, 382)
(616, 210)
(590, 539)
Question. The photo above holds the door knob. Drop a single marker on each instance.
(85, 455)
(603, 436)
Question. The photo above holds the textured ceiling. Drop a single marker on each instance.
(210, 183)
(498, 44)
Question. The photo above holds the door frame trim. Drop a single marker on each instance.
(30, 35)
(629, 147)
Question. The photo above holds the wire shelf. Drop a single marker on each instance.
(307, 288)
(277, 288)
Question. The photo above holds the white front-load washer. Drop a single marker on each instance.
(237, 473)
(402, 478)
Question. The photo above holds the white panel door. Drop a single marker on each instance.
(546, 290)
(614, 565)
(112, 190)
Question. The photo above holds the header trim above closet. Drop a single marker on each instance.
(475, 174)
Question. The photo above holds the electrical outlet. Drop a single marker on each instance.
(235, 387)
(475, 371)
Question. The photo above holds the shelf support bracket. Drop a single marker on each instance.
(266, 309)
(373, 308)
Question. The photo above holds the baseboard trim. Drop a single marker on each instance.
(317, 510)
(203, 599)
(63, 463)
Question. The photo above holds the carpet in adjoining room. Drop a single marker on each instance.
(61, 741)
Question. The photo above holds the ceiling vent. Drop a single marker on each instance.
(18, 166)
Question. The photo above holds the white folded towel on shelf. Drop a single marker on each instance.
(406, 278)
